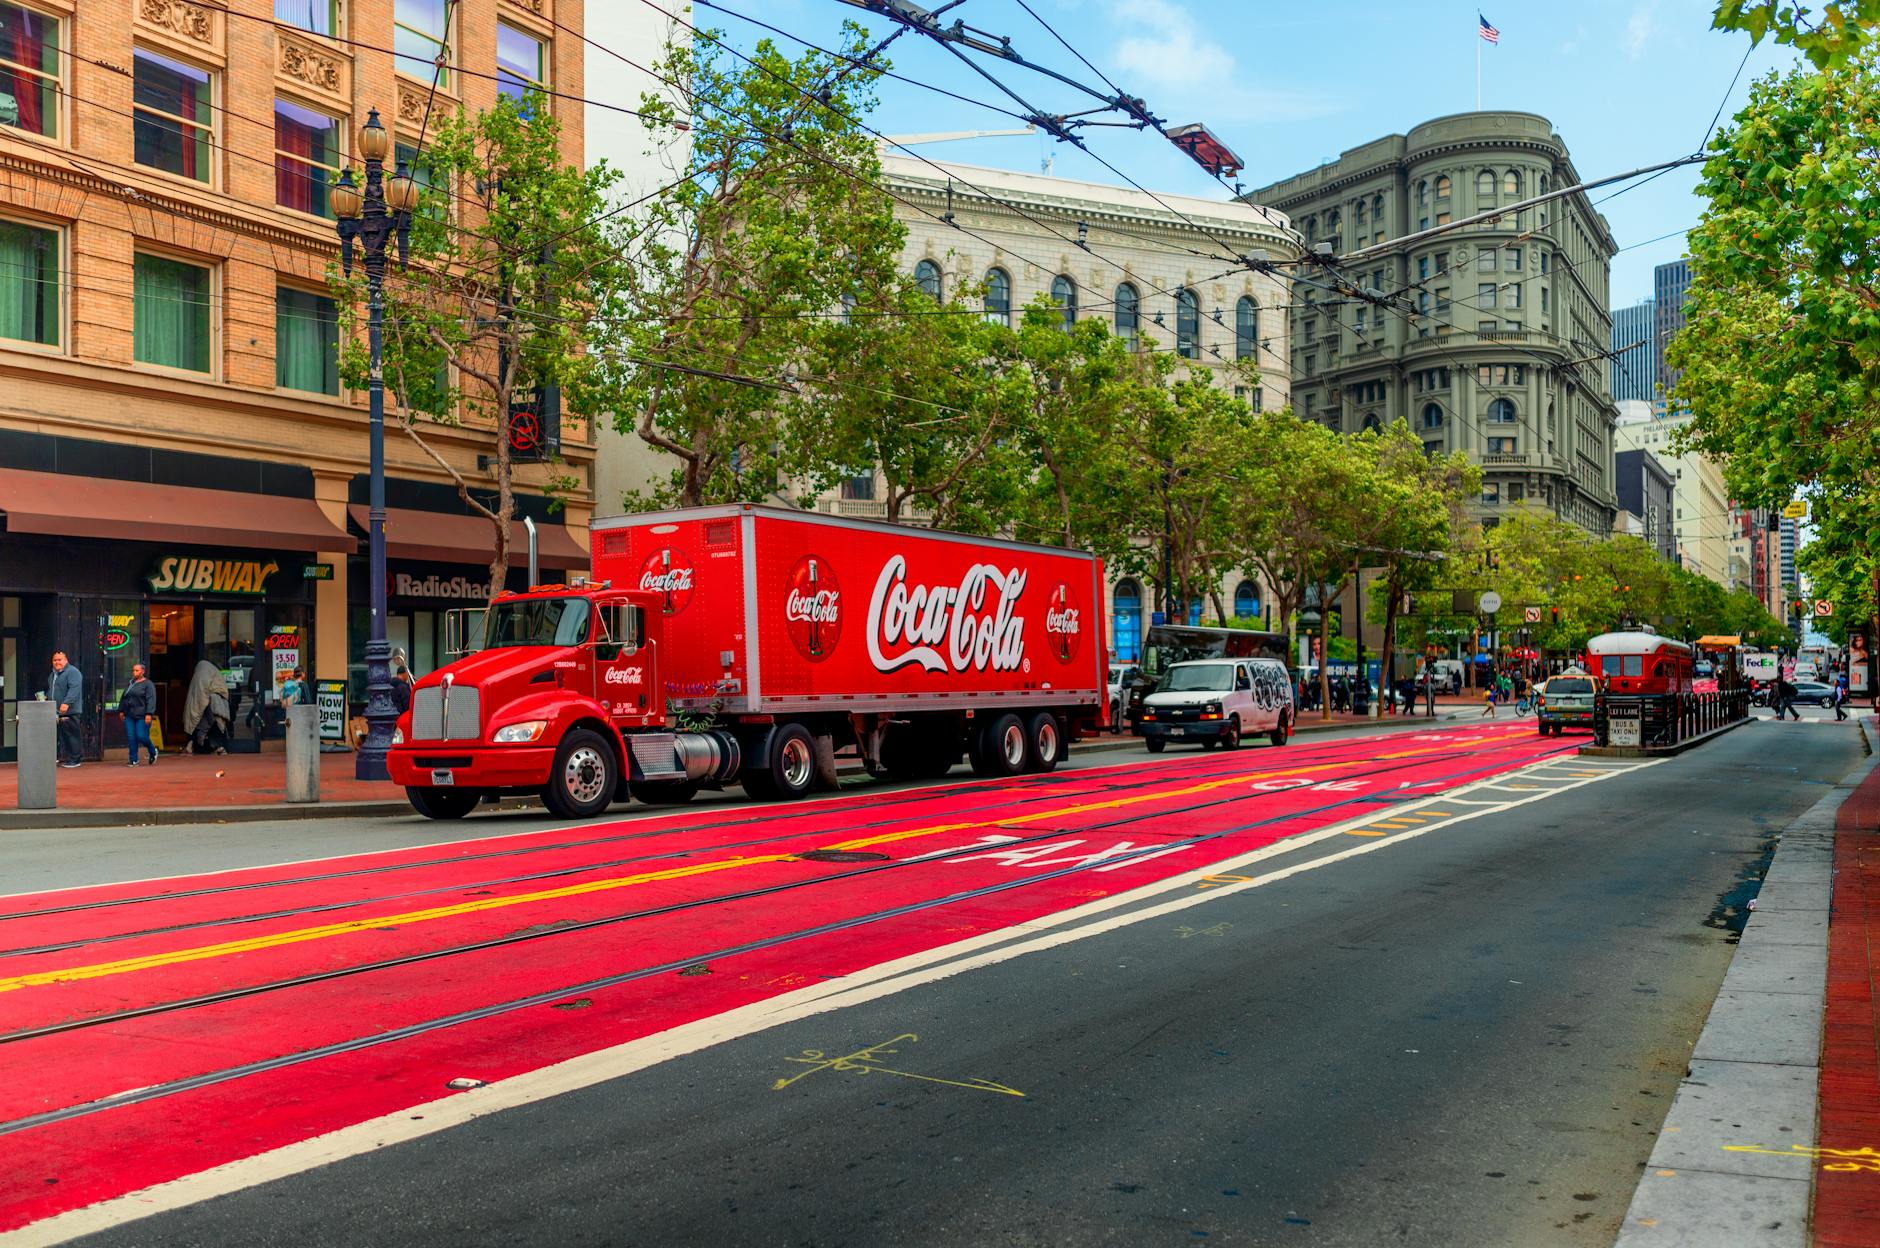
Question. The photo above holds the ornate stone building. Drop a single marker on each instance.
(1496, 339)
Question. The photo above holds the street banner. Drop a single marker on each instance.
(330, 697)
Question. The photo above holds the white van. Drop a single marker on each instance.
(1218, 702)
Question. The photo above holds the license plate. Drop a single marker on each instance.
(1178, 732)
(442, 778)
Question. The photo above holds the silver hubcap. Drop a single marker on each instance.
(1047, 741)
(797, 763)
(1014, 745)
(585, 775)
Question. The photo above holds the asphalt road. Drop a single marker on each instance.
(1470, 1037)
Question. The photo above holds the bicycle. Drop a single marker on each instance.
(1521, 707)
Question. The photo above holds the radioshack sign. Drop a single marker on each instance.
(455, 588)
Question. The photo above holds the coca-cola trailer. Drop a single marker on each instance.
(749, 644)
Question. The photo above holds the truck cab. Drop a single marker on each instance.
(558, 694)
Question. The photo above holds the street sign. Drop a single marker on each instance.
(1491, 602)
(1797, 510)
(1823, 607)
(1623, 724)
(1531, 615)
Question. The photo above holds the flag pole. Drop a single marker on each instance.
(1478, 70)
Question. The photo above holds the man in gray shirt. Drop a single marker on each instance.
(66, 690)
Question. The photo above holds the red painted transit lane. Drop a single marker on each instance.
(333, 1022)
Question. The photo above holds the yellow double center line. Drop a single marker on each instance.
(302, 935)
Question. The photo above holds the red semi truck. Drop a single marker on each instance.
(747, 644)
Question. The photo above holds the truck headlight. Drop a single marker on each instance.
(520, 734)
(1211, 711)
(398, 736)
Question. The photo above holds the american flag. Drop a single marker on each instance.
(1486, 31)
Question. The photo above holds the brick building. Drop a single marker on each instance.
(182, 475)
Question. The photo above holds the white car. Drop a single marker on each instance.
(1219, 702)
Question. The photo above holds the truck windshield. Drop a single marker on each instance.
(538, 622)
(1201, 677)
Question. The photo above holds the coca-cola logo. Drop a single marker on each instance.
(812, 608)
(971, 626)
(624, 676)
(667, 573)
(1063, 624)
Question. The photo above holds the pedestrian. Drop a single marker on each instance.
(1488, 702)
(295, 691)
(206, 710)
(138, 705)
(1840, 697)
(66, 690)
(1429, 692)
(401, 682)
(1783, 697)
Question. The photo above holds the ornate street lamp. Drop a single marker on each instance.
(373, 216)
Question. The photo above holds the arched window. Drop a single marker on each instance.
(1246, 328)
(1312, 228)
(1511, 182)
(1064, 294)
(1128, 312)
(1357, 214)
(927, 277)
(998, 297)
(1423, 193)
(1442, 185)
(1187, 324)
(1371, 422)
(1377, 209)
(1126, 626)
(1432, 416)
(1485, 184)
(1544, 184)
(1501, 412)
(1246, 601)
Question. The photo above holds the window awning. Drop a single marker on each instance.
(444, 538)
(61, 505)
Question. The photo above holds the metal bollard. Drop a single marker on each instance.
(39, 756)
(303, 753)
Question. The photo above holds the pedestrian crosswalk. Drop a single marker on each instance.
(1500, 793)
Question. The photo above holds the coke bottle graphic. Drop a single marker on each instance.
(815, 616)
(665, 579)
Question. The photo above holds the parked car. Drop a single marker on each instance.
(1218, 702)
(1128, 684)
(1814, 691)
(1565, 699)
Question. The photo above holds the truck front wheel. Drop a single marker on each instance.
(582, 784)
(443, 803)
(785, 765)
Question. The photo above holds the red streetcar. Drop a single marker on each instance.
(1643, 664)
(1648, 694)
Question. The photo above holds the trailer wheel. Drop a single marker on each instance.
(784, 765)
(1044, 743)
(1000, 747)
(583, 780)
(443, 803)
(663, 792)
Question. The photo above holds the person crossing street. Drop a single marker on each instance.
(138, 705)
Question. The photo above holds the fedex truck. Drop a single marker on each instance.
(747, 644)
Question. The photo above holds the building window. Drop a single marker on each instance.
(1064, 294)
(1357, 320)
(1501, 412)
(1491, 491)
(1432, 416)
(30, 70)
(1442, 186)
(859, 488)
(1246, 601)
(1377, 210)
(1485, 184)
(1442, 218)
(1128, 312)
(1442, 262)
(521, 63)
(170, 313)
(927, 277)
(1511, 259)
(1511, 182)
(1246, 328)
(1259, 399)
(306, 341)
(1128, 621)
(1423, 268)
(307, 147)
(320, 17)
(1485, 260)
(1516, 489)
(1485, 295)
(433, 196)
(1543, 301)
(420, 31)
(1423, 193)
(998, 297)
(29, 284)
(1501, 446)
(1357, 213)
(1513, 297)
(172, 118)
(1187, 324)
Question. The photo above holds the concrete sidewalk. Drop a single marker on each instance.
(1739, 1156)
(241, 788)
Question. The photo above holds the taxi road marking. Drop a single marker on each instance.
(349, 927)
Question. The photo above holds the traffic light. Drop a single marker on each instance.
(1555, 613)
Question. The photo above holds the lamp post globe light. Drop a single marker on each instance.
(371, 216)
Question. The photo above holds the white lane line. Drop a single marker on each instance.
(588, 1070)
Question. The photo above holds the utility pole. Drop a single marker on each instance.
(1168, 541)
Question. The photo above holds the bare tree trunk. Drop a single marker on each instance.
(1220, 610)
(1325, 651)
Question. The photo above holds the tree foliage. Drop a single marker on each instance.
(1828, 36)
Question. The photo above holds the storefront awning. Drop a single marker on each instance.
(443, 538)
(138, 511)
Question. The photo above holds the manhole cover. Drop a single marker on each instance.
(841, 855)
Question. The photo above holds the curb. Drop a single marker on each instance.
(83, 817)
(1664, 751)
(1755, 1071)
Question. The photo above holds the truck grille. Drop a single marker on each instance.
(427, 714)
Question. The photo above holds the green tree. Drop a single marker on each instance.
(1828, 37)
(497, 301)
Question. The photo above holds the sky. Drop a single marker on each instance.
(1290, 86)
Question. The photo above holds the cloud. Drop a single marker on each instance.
(1166, 55)
(1639, 29)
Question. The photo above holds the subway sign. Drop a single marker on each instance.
(185, 574)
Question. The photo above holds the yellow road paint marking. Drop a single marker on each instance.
(1362, 832)
(1836, 1159)
(350, 927)
(866, 1062)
